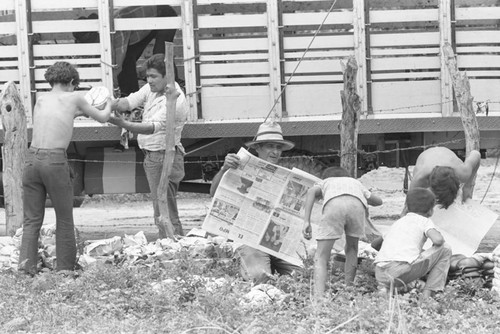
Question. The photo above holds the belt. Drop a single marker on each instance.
(56, 150)
(148, 151)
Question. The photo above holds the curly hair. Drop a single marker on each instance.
(445, 185)
(420, 200)
(334, 172)
(62, 72)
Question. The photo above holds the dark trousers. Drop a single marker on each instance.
(127, 79)
(47, 171)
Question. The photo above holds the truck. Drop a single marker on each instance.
(244, 61)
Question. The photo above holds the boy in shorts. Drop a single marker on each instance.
(345, 201)
(401, 259)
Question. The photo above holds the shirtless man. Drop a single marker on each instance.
(46, 168)
(439, 169)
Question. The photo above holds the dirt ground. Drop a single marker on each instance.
(104, 219)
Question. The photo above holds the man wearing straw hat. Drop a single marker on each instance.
(255, 264)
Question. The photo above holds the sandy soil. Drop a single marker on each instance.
(107, 219)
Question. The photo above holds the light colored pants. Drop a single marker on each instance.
(153, 166)
(258, 266)
(435, 261)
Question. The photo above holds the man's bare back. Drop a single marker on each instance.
(54, 115)
(444, 157)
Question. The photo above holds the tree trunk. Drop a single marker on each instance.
(464, 100)
(172, 95)
(13, 153)
(349, 126)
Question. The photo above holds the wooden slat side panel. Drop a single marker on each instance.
(406, 97)
(70, 49)
(242, 69)
(295, 19)
(221, 46)
(8, 28)
(405, 16)
(235, 102)
(44, 5)
(228, 81)
(483, 90)
(9, 5)
(9, 75)
(404, 39)
(125, 3)
(320, 42)
(148, 23)
(477, 13)
(232, 21)
(478, 37)
(313, 99)
(482, 61)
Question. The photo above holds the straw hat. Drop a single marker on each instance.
(270, 132)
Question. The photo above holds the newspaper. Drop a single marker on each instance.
(262, 205)
(463, 225)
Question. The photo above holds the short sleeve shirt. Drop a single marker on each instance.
(337, 186)
(405, 239)
(155, 111)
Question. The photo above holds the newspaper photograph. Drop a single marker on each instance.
(262, 205)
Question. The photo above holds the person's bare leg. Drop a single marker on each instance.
(321, 259)
(351, 259)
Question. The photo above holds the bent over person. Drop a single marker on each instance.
(46, 168)
(255, 264)
(152, 136)
(439, 169)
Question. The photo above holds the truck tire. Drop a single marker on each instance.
(306, 163)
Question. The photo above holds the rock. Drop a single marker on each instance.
(263, 294)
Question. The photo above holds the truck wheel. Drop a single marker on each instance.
(77, 201)
(305, 163)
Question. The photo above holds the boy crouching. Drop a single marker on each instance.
(401, 258)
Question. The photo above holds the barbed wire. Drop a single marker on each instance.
(491, 180)
(312, 157)
(333, 154)
(378, 111)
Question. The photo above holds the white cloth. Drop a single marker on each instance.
(155, 105)
(337, 186)
(405, 239)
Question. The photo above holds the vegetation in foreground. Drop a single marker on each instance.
(174, 298)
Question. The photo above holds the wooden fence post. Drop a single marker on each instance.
(349, 125)
(13, 154)
(464, 100)
(172, 95)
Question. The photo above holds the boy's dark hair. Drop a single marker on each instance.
(62, 72)
(157, 62)
(420, 200)
(334, 172)
(444, 184)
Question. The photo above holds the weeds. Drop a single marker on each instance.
(186, 297)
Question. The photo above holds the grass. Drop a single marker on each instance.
(154, 298)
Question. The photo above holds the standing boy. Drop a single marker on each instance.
(401, 259)
(152, 135)
(46, 168)
(345, 201)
